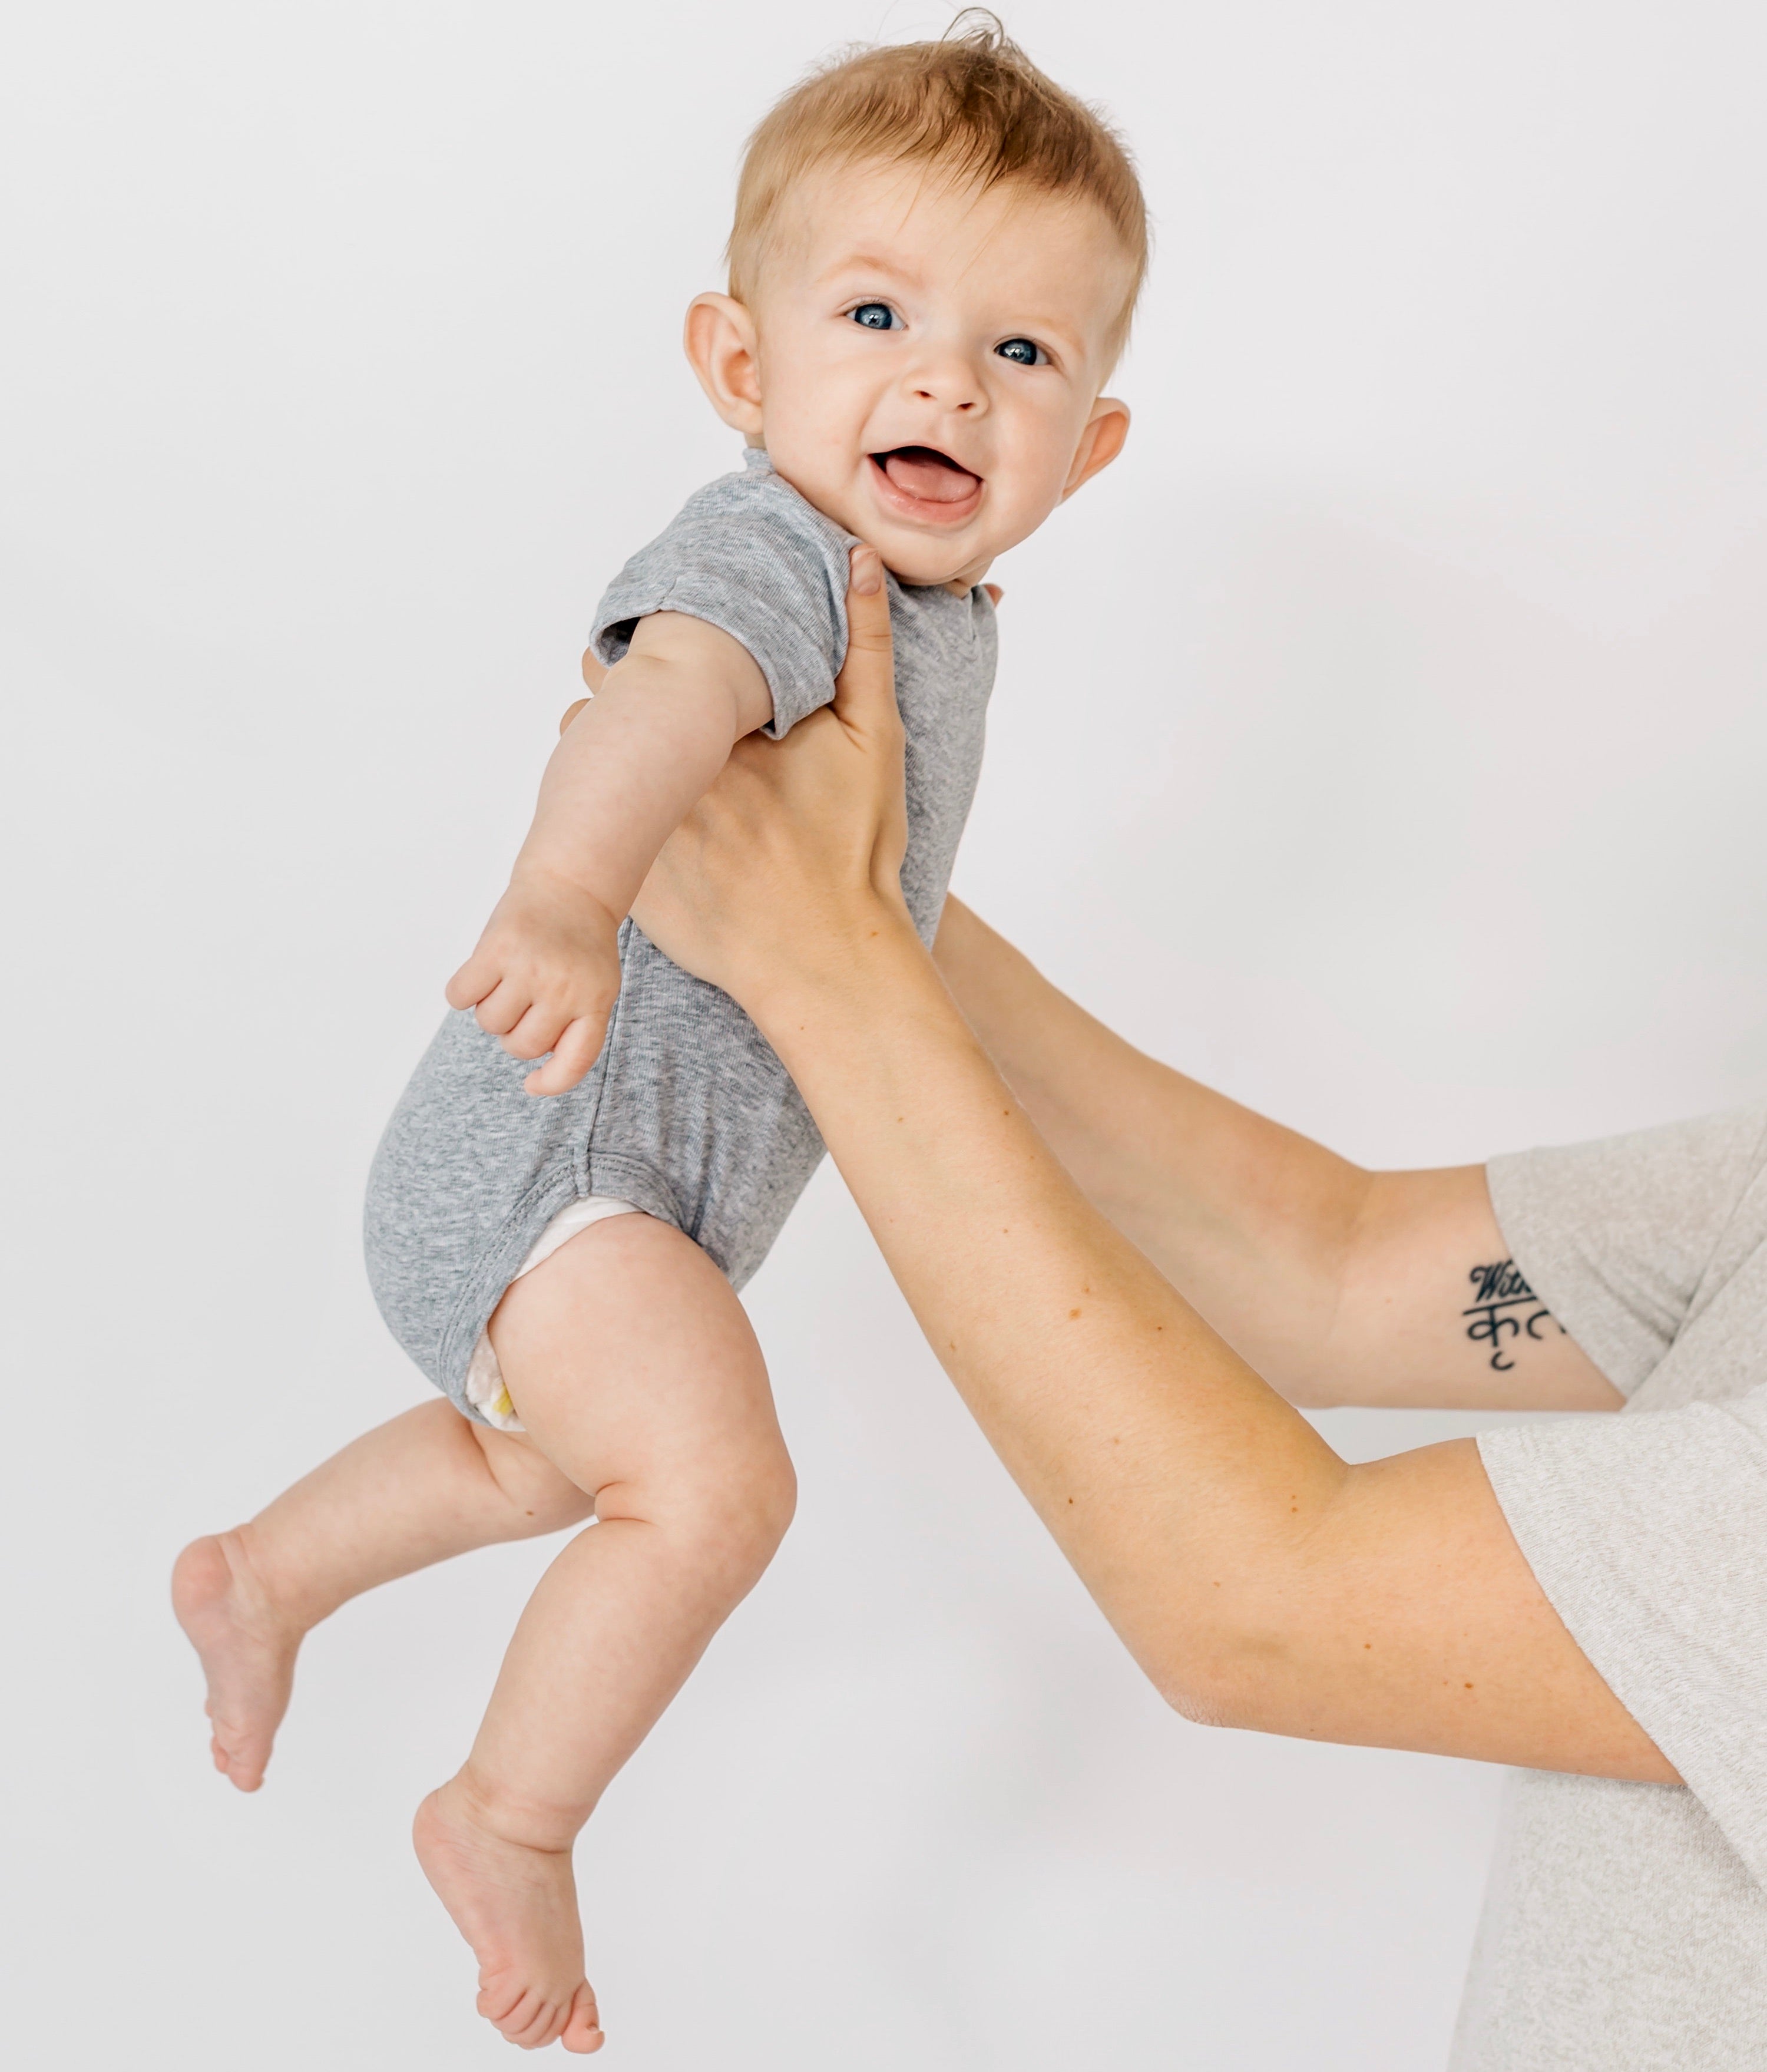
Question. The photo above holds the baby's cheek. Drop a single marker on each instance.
(802, 450)
(1024, 502)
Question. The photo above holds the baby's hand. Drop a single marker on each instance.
(544, 977)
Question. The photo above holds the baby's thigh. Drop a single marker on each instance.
(632, 1362)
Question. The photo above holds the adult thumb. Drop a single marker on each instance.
(865, 691)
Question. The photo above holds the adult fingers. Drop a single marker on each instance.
(594, 675)
(865, 691)
(865, 705)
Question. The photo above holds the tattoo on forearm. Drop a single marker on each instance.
(1503, 1301)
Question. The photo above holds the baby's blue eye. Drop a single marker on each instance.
(875, 316)
(1022, 353)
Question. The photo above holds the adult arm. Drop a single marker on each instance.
(1260, 1580)
(1339, 1284)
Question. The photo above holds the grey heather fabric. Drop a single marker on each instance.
(687, 1112)
(1625, 1927)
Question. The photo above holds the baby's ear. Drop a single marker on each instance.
(1100, 443)
(720, 340)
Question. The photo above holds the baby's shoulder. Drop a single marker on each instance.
(754, 499)
(752, 530)
(747, 554)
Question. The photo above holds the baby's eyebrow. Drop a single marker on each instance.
(870, 262)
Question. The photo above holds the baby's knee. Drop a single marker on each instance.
(772, 1502)
(726, 1522)
(739, 1523)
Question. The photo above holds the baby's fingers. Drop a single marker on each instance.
(576, 1051)
(475, 978)
(503, 1007)
(537, 1031)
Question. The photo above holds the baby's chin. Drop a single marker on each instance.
(924, 575)
(927, 558)
(925, 564)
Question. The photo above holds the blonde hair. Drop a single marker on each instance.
(973, 105)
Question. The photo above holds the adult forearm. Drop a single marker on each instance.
(1339, 1285)
(1174, 1479)
(1254, 1222)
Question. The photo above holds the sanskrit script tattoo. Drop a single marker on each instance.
(1503, 1303)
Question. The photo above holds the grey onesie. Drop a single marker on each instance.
(687, 1113)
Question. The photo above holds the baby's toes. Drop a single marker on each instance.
(519, 2014)
(535, 2023)
(240, 1755)
(582, 2031)
(500, 1995)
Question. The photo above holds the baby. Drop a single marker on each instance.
(935, 257)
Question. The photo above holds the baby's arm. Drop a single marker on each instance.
(546, 970)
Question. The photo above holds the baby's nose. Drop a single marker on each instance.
(946, 377)
(952, 391)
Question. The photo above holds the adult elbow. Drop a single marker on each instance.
(1196, 1699)
(1224, 1675)
(1208, 1700)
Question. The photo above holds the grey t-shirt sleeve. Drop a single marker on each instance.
(749, 555)
(1616, 1236)
(1648, 1534)
(1648, 1530)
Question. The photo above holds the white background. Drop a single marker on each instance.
(1383, 739)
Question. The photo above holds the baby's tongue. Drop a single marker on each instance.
(919, 471)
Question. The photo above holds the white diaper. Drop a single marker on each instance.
(485, 1390)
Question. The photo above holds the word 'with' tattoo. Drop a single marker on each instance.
(1503, 1303)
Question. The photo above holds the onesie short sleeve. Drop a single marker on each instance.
(749, 555)
(1648, 1530)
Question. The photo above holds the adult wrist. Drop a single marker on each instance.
(856, 966)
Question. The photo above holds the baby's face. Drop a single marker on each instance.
(925, 363)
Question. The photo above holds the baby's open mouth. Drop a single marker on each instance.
(923, 472)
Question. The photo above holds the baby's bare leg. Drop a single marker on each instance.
(425, 1486)
(634, 1368)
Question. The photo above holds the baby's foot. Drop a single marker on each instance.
(248, 1652)
(517, 1907)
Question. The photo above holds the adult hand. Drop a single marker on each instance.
(794, 856)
